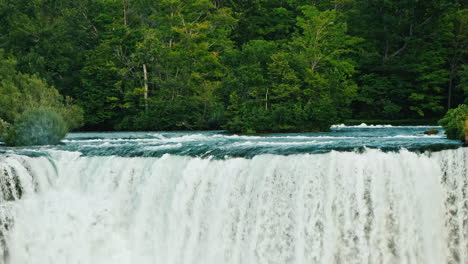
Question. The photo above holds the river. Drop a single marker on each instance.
(362, 194)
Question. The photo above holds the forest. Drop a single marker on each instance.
(245, 66)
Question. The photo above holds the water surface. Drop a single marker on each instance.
(220, 144)
(218, 198)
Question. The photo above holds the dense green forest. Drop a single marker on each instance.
(245, 66)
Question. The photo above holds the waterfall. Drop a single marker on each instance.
(337, 207)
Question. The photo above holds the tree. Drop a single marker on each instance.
(304, 85)
(182, 59)
(454, 122)
(325, 50)
(412, 53)
(20, 92)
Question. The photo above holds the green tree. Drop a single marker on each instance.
(411, 53)
(454, 122)
(304, 85)
(463, 85)
(20, 92)
(181, 58)
(325, 49)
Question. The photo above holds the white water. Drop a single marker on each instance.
(337, 207)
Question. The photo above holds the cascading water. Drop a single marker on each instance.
(336, 207)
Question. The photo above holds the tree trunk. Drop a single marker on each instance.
(124, 3)
(145, 83)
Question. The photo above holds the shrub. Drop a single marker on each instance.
(40, 126)
(454, 121)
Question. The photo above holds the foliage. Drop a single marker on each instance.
(412, 54)
(463, 85)
(19, 92)
(40, 126)
(260, 65)
(454, 122)
(3, 126)
(302, 86)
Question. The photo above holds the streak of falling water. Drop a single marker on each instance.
(372, 207)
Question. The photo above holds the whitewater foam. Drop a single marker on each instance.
(338, 207)
(364, 125)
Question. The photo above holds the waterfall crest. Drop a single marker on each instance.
(337, 207)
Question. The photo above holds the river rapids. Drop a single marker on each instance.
(212, 198)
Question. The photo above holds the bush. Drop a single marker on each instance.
(454, 121)
(40, 126)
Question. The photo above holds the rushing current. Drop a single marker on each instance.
(353, 195)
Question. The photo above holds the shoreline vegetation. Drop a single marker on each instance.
(455, 123)
(258, 67)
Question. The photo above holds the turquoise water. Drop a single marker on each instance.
(389, 195)
(220, 144)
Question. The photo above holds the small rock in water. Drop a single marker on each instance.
(431, 131)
